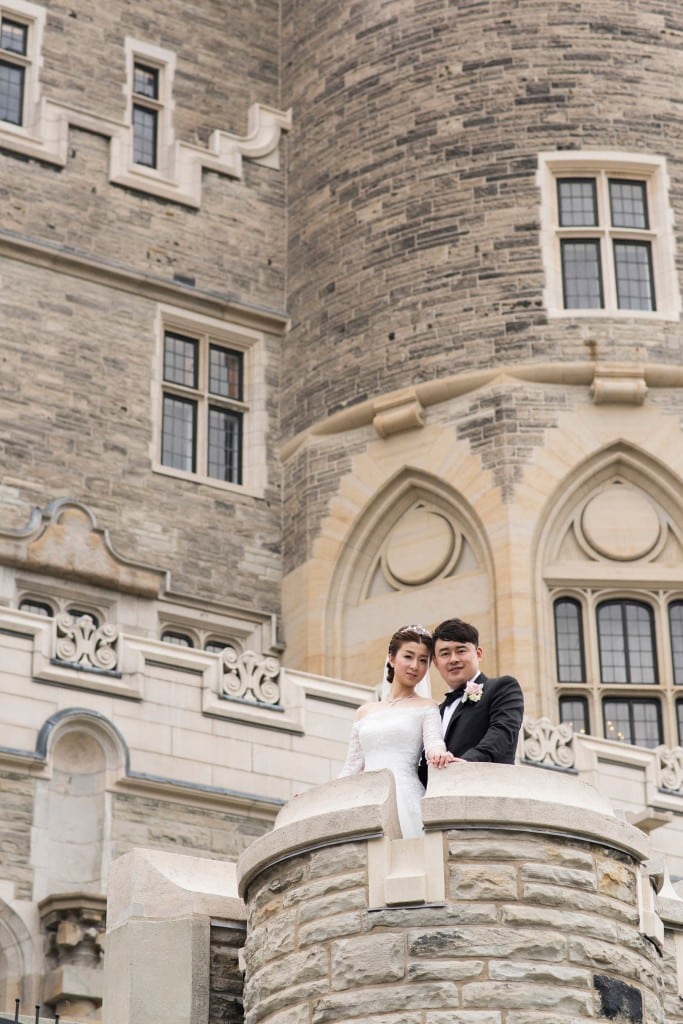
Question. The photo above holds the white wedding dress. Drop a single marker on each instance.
(394, 738)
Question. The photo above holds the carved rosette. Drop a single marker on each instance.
(250, 676)
(545, 743)
(670, 768)
(80, 642)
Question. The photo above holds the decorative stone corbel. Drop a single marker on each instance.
(264, 128)
(399, 411)
(406, 871)
(618, 384)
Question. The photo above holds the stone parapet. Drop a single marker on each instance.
(537, 914)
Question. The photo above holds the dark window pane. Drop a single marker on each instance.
(633, 270)
(577, 202)
(36, 608)
(215, 646)
(13, 36)
(225, 372)
(181, 639)
(581, 274)
(612, 644)
(11, 92)
(676, 631)
(626, 640)
(574, 711)
(225, 442)
(78, 613)
(679, 715)
(633, 721)
(628, 200)
(640, 643)
(146, 81)
(145, 136)
(178, 433)
(180, 360)
(569, 641)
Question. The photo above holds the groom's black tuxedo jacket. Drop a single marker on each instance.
(487, 729)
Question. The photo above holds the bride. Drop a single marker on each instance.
(392, 732)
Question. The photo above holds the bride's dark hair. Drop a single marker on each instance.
(407, 635)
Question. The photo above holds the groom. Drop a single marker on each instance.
(480, 717)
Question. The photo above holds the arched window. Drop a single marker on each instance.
(571, 662)
(611, 557)
(36, 607)
(181, 639)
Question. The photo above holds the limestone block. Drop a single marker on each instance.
(367, 960)
(157, 972)
(73, 981)
(158, 885)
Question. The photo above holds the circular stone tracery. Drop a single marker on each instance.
(621, 523)
(422, 546)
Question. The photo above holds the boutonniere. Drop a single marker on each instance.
(473, 692)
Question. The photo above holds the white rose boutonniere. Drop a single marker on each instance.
(473, 692)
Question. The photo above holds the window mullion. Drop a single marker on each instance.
(203, 407)
(627, 651)
(609, 295)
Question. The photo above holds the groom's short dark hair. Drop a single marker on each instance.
(456, 631)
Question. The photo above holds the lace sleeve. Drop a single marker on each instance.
(355, 762)
(431, 733)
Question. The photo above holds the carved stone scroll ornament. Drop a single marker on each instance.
(250, 676)
(546, 743)
(670, 768)
(80, 642)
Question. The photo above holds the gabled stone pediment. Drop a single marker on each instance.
(64, 540)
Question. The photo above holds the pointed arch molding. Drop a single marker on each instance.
(20, 958)
(618, 462)
(641, 560)
(361, 551)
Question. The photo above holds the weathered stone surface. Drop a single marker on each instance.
(367, 960)
(483, 882)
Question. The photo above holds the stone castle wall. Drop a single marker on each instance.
(513, 909)
(419, 257)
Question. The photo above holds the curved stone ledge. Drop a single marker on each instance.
(520, 797)
(155, 884)
(356, 807)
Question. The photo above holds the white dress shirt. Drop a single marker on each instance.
(448, 713)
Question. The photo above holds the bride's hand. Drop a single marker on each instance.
(441, 760)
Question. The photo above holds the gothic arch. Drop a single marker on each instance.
(402, 561)
(19, 953)
(612, 531)
(619, 461)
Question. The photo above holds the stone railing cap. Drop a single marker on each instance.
(355, 807)
(479, 794)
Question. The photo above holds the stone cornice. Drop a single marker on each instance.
(624, 380)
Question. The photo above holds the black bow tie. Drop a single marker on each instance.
(453, 695)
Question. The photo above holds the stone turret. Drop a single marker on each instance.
(527, 901)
